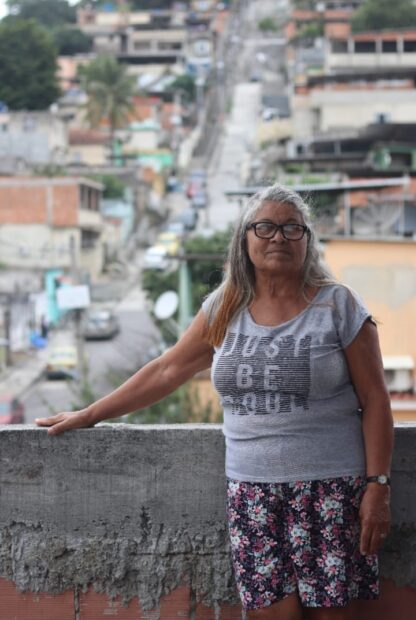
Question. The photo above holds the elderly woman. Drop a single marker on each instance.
(296, 361)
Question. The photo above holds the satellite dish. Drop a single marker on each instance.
(166, 305)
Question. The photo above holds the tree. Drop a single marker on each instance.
(114, 187)
(28, 67)
(383, 14)
(205, 274)
(268, 24)
(186, 85)
(71, 41)
(49, 13)
(110, 91)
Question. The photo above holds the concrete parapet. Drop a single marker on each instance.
(138, 513)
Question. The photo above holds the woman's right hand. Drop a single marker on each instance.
(66, 421)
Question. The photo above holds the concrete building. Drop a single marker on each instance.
(88, 147)
(153, 42)
(30, 138)
(50, 223)
(370, 50)
(383, 272)
(332, 102)
(148, 42)
(381, 148)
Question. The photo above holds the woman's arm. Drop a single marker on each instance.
(148, 385)
(367, 375)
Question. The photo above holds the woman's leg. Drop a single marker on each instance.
(287, 609)
(260, 551)
(330, 613)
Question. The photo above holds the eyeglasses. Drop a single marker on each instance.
(267, 230)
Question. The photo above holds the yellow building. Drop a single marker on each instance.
(383, 272)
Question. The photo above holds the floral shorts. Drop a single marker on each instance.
(299, 537)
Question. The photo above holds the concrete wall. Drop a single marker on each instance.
(137, 513)
(323, 110)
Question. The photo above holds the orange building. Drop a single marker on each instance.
(383, 272)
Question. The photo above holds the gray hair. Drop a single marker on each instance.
(240, 271)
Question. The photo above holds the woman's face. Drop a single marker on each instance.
(277, 255)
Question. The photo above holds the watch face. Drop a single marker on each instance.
(382, 479)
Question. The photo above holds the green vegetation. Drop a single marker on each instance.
(114, 187)
(268, 24)
(384, 14)
(186, 85)
(309, 32)
(28, 65)
(71, 41)
(110, 91)
(306, 5)
(205, 274)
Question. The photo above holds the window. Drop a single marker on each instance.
(339, 47)
(142, 45)
(89, 239)
(167, 45)
(389, 47)
(365, 47)
(410, 46)
(382, 117)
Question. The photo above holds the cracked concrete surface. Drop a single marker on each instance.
(138, 510)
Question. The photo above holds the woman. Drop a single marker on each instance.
(307, 422)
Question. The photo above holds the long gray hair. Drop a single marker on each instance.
(238, 286)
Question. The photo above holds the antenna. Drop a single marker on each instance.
(166, 305)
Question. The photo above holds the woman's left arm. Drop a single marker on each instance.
(366, 369)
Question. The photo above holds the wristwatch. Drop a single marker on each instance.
(382, 479)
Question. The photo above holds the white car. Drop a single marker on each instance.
(155, 257)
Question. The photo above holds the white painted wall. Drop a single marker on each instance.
(324, 110)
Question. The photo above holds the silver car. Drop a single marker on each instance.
(100, 325)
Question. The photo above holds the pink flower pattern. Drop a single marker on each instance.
(299, 537)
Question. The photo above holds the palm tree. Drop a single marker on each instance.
(110, 91)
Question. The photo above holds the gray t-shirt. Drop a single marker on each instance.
(290, 410)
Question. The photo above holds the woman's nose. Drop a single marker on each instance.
(278, 234)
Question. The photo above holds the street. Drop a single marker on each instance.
(107, 360)
(228, 169)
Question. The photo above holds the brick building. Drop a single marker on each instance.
(51, 222)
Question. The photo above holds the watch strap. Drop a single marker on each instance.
(382, 479)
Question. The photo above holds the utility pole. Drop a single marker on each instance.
(78, 311)
(7, 333)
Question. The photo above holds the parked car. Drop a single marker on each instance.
(155, 257)
(189, 217)
(177, 227)
(100, 324)
(170, 241)
(197, 182)
(12, 411)
(199, 200)
(62, 362)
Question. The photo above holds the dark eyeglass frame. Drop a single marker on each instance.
(281, 227)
